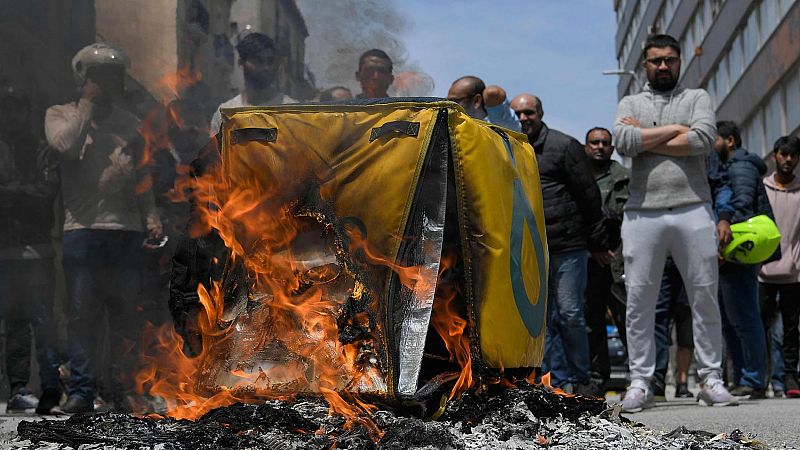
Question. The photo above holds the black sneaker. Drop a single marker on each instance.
(49, 400)
(75, 405)
(778, 394)
(749, 393)
(791, 386)
(21, 402)
(658, 393)
(682, 391)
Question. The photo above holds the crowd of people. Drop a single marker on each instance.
(661, 245)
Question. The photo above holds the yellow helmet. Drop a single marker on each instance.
(754, 241)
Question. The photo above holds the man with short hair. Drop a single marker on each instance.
(605, 289)
(259, 61)
(738, 291)
(483, 103)
(667, 130)
(574, 222)
(374, 74)
(782, 277)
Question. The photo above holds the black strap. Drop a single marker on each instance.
(254, 134)
(397, 127)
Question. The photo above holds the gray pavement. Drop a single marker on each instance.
(774, 421)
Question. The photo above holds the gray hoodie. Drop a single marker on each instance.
(660, 182)
(786, 207)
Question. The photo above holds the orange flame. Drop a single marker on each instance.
(451, 326)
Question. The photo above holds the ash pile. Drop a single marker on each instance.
(522, 417)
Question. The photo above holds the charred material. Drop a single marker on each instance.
(501, 418)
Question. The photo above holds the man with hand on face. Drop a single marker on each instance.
(605, 288)
(374, 74)
(107, 216)
(259, 61)
(574, 223)
(667, 130)
(483, 103)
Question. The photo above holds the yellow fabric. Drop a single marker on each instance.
(486, 173)
(375, 182)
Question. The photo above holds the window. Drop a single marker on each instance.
(750, 34)
(723, 80)
(756, 137)
(711, 87)
(768, 18)
(773, 118)
(735, 61)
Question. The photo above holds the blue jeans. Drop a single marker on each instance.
(102, 270)
(566, 354)
(741, 323)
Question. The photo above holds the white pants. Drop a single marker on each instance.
(688, 234)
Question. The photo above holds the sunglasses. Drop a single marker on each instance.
(600, 141)
(668, 60)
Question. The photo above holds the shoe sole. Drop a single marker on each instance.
(702, 402)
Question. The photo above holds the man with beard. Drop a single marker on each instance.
(483, 103)
(374, 74)
(259, 61)
(741, 326)
(782, 277)
(605, 289)
(572, 209)
(667, 130)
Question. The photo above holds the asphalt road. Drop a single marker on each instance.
(775, 422)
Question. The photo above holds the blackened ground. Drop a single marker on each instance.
(522, 418)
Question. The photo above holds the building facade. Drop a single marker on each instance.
(745, 53)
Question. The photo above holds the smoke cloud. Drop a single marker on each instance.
(340, 31)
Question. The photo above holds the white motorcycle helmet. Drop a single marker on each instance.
(96, 55)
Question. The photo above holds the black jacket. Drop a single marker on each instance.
(28, 186)
(572, 205)
(745, 174)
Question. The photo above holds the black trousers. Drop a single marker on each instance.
(603, 295)
(789, 304)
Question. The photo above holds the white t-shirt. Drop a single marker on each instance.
(235, 102)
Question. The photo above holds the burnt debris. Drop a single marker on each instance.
(516, 418)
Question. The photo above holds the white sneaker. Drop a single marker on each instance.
(637, 399)
(714, 393)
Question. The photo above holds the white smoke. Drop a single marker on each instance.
(340, 31)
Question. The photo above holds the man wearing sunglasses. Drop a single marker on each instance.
(667, 131)
(574, 222)
(374, 74)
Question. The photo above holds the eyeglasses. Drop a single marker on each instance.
(527, 112)
(668, 60)
(600, 141)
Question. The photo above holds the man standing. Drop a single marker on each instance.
(782, 277)
(572, 208)
(605, 289)
(739, 298)
(28, 186)
(374, 74)
(483, 103)
(259, 62)
(667, 130)
(107, 218)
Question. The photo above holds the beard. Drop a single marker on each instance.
(259, 80)
(661, 83)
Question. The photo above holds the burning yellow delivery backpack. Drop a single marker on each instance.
(381, 247)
